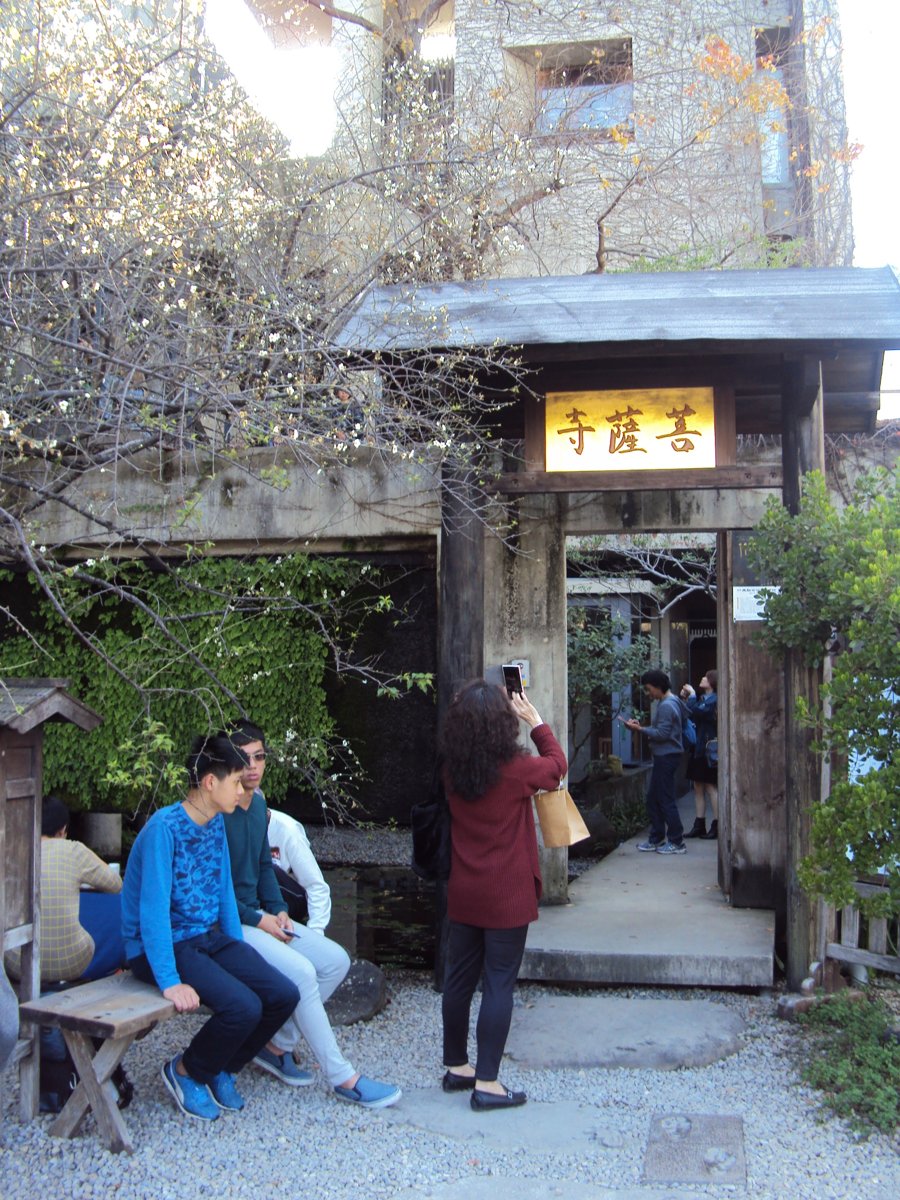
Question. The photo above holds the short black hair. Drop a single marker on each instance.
(657, 679)
(54, 816)
(243, 732)
(214, 754)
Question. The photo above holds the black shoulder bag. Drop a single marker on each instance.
(430, 824)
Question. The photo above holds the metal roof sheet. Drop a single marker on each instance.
(846, 304)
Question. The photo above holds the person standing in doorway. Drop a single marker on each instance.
(664, 734)
(701, 772)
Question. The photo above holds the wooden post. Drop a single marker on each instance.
(803, 450)
(461, 591)
(460, 628)
(751, 751)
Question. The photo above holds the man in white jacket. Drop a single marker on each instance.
(292, 852)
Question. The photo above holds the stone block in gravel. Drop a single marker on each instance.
(594, 1031)
(360, 997)
(685, 1148)
(493, 1187)
(543, 1128)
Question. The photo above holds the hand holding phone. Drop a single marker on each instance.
(512, 679)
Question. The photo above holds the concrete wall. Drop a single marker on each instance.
(268, 500)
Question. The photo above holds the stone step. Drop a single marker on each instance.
(649, 919)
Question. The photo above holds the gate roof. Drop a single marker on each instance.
(804, 307)
(746, 320)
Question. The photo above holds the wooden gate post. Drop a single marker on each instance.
(461, 592)
(803, 450)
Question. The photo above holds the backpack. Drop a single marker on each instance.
(430, 823)
(689, 734)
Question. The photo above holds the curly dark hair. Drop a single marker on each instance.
(480, 731)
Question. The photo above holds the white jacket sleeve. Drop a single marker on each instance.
(295, 856)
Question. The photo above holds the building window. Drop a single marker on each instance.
(415, 93)
(774, 133)
(418, 84)
(589, 88)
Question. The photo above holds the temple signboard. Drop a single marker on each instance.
(644, 429)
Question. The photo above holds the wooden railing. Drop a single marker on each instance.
(839, 942)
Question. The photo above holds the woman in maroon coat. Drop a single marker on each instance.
(495, 881)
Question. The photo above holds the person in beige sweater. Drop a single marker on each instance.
(66, 946)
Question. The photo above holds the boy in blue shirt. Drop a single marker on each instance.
(182, 932)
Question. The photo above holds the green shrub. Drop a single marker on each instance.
(854, 1062)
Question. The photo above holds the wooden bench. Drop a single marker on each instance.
(116, 1010)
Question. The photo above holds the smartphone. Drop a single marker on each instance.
(512, 678)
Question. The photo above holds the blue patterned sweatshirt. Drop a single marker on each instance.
(177, 885)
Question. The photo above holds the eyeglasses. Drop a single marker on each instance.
(259, 756)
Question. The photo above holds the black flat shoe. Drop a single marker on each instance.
(485, 1101)
(457, 1083)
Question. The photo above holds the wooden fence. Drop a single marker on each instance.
(839, 941)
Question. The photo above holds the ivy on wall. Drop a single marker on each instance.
(265, 630)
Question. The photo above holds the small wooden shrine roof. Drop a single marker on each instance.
(26, 703)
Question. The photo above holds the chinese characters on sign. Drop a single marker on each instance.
(640, 429)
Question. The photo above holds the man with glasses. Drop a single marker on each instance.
(309, 959)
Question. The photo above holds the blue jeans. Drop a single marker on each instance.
(250, 1001)
(471, 950)
(662, 807)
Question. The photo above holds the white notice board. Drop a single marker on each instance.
(748, 603)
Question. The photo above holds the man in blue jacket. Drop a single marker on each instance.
(182, 932)
(664, 734)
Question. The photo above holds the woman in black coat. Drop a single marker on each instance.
(703, 774)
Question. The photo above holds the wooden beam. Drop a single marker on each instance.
(672, 510)
(524, 483)
(865, 958)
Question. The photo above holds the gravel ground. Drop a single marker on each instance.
(308, 1144)
(288, 1145)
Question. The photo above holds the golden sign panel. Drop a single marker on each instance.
(641, 429)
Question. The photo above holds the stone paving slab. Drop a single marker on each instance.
(563, 1127)
(494, 1187)
(684, 1148)
(599, 1031)
(646, 919)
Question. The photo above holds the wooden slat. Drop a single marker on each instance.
(869, 889)
(850, 927)
(680, 479)
(879, 962)
(22, 1049)
(878, 938)
(20, 789)
(21, 935)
